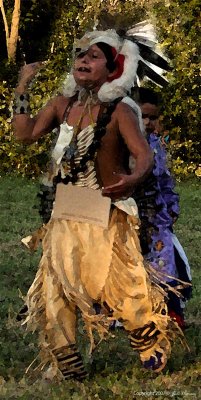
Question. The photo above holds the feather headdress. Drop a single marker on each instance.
(135, 55)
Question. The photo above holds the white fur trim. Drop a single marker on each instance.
(109, 91)
(69, 86)
(129, 206)
(137, 111)
(63, 141)
(109, 36)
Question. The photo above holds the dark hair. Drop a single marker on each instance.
(145, 95)
(107, 50)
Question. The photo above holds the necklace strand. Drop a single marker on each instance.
(46, 193)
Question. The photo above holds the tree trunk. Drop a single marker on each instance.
(12, 44)
(5, 22)
(11, 39)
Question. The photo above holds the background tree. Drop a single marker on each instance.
(47, 30)
(12, 32)
(178, 27)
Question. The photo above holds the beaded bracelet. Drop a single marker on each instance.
(21, 103)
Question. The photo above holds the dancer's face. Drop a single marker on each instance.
(90, 69)
(150, 116)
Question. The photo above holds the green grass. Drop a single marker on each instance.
(116, 371)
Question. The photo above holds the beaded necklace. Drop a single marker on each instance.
(72, 149)
(47, 193)
(103, 120)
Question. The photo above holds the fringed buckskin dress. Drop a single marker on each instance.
(84, 264)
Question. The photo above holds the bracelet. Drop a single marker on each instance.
(21, 103)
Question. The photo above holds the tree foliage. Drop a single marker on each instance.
(178, 27)
(46, 32)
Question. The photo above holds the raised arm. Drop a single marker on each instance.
(139, 149)
(27, 129)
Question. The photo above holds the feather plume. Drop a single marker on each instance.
(146, 69)
(152, 63)
(145, 29)
(154, 58)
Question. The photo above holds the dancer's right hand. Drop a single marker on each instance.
(27, 73)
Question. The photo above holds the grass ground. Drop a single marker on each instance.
(117, 373)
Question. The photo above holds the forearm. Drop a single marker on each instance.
(28, 129)
(22, 122)
(23, 127)
(143, 167)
